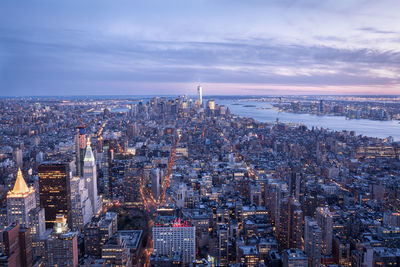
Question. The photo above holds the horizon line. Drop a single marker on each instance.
(204, 96)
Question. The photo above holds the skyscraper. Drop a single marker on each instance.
(20, 201)
(325, 222)
(90, 176)
(200, 95)
(312, 242)
(222, 233)
(290, 229)
(155, 175)
(105, 165)
(80, 145)
(18, 157)
(22, 207)
(55, 191)
(81, 207)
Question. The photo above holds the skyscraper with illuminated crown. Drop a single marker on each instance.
(22, 208)
(90, 176)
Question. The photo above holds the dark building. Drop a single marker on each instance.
(17, 245)
(55, 191)
(131, 181)
(290, 228)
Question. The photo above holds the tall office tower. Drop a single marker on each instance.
(200, 95)
(62, 245)
(20, 201)
(312, 242)
(16, 246)
(131, 132)
(90, 175)
(81, 207)
(22, 207)
(55, 191)
(223, 249)
(290, 230)
(155, 175)
(172, 237)
(18, 157)
(296, 236)
(294, 258)
(80, 146)
(275, 192)
(131, 181)
(294, 184)
(105, 168)
(325, 221)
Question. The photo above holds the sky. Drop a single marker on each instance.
(230, 47)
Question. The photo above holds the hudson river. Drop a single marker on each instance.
(263, 112)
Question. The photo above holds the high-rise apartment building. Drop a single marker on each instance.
(325, 221)
(312, 242)
(290, 229)
(176, 236)
(55, 191)
(222, 233)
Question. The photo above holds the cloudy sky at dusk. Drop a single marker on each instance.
(253, 47)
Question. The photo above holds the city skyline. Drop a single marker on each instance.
(252, 182)
(230, 48)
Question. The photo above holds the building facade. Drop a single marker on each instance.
(174, 237)
(55, 191)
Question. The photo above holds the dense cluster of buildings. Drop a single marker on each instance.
(182, 182)
(371, 108)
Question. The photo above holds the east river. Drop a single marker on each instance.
(263, 112)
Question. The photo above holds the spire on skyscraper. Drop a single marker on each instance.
(20, 186)
(89, 153)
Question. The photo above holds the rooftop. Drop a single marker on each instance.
(131, 237)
